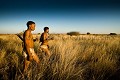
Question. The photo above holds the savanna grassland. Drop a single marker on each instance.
(84, 57)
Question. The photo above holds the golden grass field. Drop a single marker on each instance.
(84, 57)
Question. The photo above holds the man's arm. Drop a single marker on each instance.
(46, 38)
(27, 46)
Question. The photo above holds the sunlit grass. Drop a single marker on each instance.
(71, 59)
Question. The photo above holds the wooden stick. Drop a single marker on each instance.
(20, 37)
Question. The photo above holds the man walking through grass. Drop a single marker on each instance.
(44, 41)
(28, 48)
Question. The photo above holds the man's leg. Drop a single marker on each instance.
(26, 65)
(45, 49)
(36, 58)
(26, 62)
(47, 52)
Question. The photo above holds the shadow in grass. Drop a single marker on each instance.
(115, 76)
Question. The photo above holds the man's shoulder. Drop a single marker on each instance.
(43, 33)
(27, 32)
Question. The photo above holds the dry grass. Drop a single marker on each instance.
(72, 58)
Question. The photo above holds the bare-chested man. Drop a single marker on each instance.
(44, 39)
(28, 50)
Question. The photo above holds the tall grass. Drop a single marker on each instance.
(71, 59)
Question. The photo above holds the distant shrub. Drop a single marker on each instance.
(73, 33)
(38, 33)
(113, 34)
(88, 33)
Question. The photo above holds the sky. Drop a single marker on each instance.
(61, 16)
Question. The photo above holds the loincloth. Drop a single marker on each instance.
(25, 54)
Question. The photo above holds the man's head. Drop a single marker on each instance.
(46, 29)
(31, 25)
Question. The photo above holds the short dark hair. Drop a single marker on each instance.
(29, 23)
(45, 28)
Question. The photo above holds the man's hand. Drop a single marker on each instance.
(52, 38)
(36, 39)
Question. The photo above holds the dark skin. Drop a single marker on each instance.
(45, 41)
(29, 43)
(21, 38)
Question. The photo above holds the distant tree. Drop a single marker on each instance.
(112, 34)
(38, 33)
(23, 31)
(73, 33)
(88, 33)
